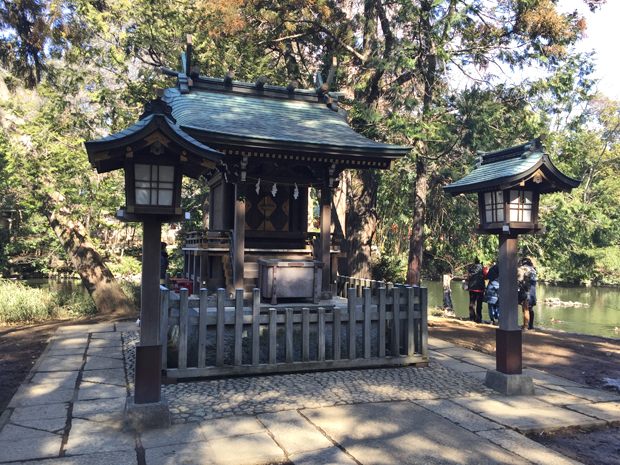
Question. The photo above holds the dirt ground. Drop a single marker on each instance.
(584, 359)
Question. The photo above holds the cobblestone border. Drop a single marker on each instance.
(205, 400)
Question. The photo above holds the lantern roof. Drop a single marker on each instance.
(514, 166)
(157, 132)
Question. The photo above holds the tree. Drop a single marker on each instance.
(45, 179)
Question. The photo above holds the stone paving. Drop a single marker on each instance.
(69, 411)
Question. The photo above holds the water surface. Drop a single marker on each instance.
(600, 318)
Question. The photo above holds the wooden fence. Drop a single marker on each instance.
(213, 336)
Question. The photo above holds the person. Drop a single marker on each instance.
(532, 293)
(163, 261)
(526, 287)
(476, 287)
(491, 296)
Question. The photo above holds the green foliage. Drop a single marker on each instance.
(125, 266)
(22, 304)
(132, 291)
(390, 268)
(91, 65)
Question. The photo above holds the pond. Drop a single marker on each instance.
(56, 285)
(600, 318)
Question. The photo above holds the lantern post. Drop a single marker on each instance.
(155, 154)
(509, 183)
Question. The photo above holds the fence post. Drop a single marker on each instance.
(238, 354)
(416, 326)
(183, 324)
(164, 309)
(351, 307)
(410, 322)
(255, 326)
(366, 326)
(396, 322)
(273, 327)
(381, 325)
(321, 331)
(202, 329)
(336, 336)
(219, 329)
(289, 335)
(424, 322)
(305, 334)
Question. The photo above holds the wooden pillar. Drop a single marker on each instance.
(508, 335)
(239, 240)
(151, 262)
(148, 353)
(326, 217)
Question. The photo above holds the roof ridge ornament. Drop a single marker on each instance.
(158, 107)
(535, 146)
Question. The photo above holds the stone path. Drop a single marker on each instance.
(69, 411)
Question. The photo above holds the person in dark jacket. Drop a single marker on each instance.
(491, 296)
(526, 284)
(163, 261)
(476, 287)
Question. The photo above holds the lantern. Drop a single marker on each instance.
(155, 155)
(509, 183)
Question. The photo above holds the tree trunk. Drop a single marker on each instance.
(416, 241)
(428, 69)
(361, 222)
(96, 276)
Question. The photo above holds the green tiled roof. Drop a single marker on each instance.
(126, 134)
(510, 166)
(282, 121)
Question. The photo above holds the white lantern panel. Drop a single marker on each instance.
(154, 185)
(494, 207)
(166, 174)
(489, 216)
(143, 172)
(165, 198)
(143, 196)
(521, 203)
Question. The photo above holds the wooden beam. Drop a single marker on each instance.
(195, 72)
(239, 239)
(149, 309)
(228, 79)
(322, 89)
(508, 307)
(261, 82)
(326, 216)
(292, 86)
